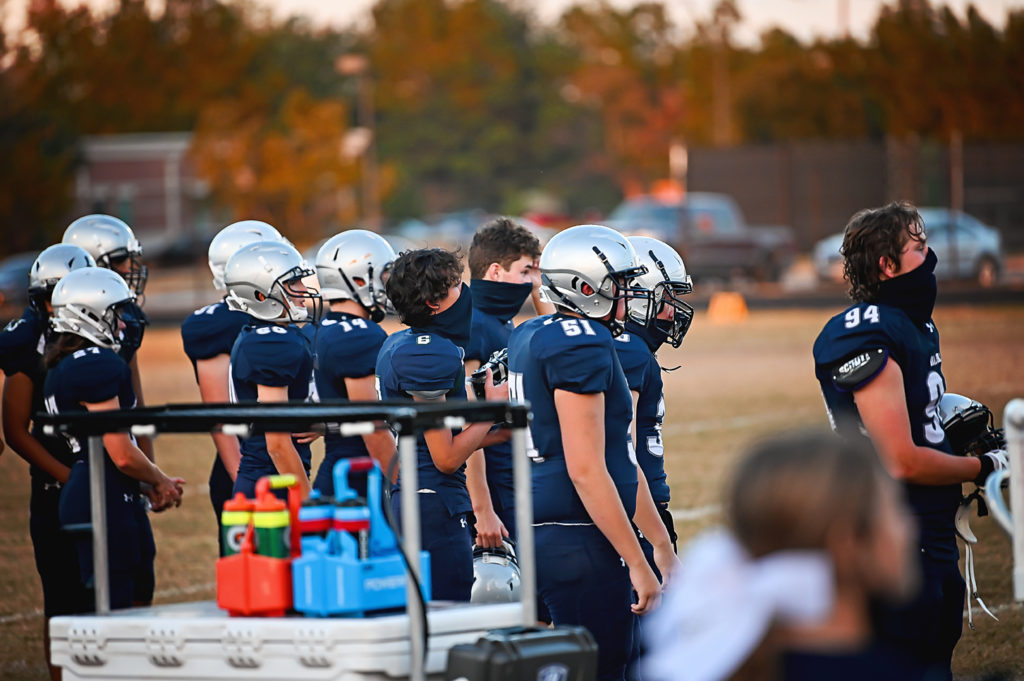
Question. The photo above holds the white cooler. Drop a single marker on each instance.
(198, 641)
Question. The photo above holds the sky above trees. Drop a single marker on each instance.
(474, 106)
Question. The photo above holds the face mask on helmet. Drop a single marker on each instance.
(969, 425)
(599, 300)
(292, 292)
(264, 280)
(496, 576)
(353, 265)
(129, 265)
(88, 302)
(675, 327)
(669, 316)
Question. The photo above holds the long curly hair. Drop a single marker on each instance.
(873, 234)
(420, 277)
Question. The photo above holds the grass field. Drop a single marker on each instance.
(737, 383)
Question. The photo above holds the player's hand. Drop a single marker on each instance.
(495, 393)
(535, 274)
(646, 587)
(991, 461)
(305, 438)
(667, 561)
(489, 529)
(165, 494)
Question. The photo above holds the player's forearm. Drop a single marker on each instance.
(646, 515)
(927, 466)
(17, 420)
(476, 483)
(450, 452)
(30, 449)
(131, 460)
(601, 499)
(229, 452)
(380, 444)
(286, 459)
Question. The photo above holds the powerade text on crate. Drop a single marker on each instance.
(357, 568)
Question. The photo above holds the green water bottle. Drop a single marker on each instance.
(270, 520)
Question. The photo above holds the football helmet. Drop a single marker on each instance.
(264, 278)
(350, 265)
(50, 266)
(228, 240)
(667, 280)
(87, 302)
(588, 268)
(969, 425)
(495, 574)
(112, 243)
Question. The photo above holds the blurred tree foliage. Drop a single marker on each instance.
(476, 104)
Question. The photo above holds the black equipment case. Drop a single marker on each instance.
(526, 654)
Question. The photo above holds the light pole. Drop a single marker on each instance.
(359, 66)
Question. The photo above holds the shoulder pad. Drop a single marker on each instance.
(858, 370)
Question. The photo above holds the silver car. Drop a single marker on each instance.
(977, 248)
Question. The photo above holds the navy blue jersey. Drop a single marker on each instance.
(487, 334)
(89, 376)
(22, 344)
(346, 347)
(643, 376)
(576, 355)
(868, 326)
(211, 331)
(135, 323)
(273, 355)
(416, 361)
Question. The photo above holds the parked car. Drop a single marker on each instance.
(710, 232)
(14, 283)
(978, 248)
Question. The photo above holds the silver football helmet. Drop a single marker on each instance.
(87, 303)
(495, 575)
(667, 279)
(264, 278)
(50, 266)
(112, 243)
(588, 268)
(233, 237)
(349, 266)
(968, 425)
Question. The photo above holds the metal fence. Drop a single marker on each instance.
(814, 187)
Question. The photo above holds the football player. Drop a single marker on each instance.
(503, 267)
(424, 363)
(208, 335)
(113, 245)
(669, 320)
(586, 488)
(21, 358)
(880, 370)
(350, 267)
(85, 373)
(271, 360)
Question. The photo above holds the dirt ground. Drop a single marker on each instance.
(737, 383)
